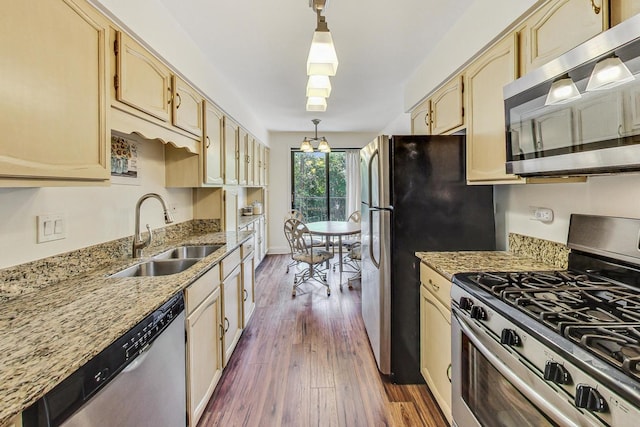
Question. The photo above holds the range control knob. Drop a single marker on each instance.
(553, 371)
(588, 397)
(478, 312)
(466, 303)
(509, 337)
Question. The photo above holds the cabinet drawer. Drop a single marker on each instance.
(230, 262)
(201, 288)
(436, 284)
(247, 247)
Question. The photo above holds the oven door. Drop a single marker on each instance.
(491, 386)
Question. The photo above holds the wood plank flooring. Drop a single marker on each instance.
(306, 361)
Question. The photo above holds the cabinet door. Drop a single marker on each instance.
(486, 139)
(248, 288)
(262, 240)
(232, 309)
(54, 103)
(204, 354)
(230, 151)
(421, 119)
(243, 159)
(213, 143)
(623, 9)
(560, 26)
(143, 82)
(257, 162)
(187, 107)
(261, 164)
(446, 107)
(435, 349)
(230, 199)
(265, 167)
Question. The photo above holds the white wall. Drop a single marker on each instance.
(150, 21)
(93, 214)
(280, 176)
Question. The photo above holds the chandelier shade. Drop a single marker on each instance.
(323, 145)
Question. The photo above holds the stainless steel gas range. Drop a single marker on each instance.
(556, 347)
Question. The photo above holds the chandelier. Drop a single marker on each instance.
(322, 61)
(323, 145)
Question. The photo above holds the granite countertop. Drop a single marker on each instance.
(245, 220)
(48, 333)
(450, 263)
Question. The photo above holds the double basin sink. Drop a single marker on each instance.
(171, 261)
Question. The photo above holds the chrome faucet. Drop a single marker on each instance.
(138, 243)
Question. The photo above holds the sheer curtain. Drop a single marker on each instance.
(352, 162)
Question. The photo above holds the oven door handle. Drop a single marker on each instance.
(522, 386)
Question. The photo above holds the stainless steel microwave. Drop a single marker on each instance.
(580, 113)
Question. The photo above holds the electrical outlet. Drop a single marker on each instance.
(542, 214)
(51, 227)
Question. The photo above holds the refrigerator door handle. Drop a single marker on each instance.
(369, 175)
(371, 254)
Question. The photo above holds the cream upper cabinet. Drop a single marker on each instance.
(447, 112)
(558, 27)
(213, 145)
(421, 119)
(54, 104)
(486, 139)
(261, 161)
(230, 151)
(435, 336)
(258, 151)
(265, 166)
(142, 81)
(243, 156)
(187, 107)
(204, 325)
(623, 9)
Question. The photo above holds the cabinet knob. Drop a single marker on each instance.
(553, 371)
(588, 397)
(595, 7)
(433, 285)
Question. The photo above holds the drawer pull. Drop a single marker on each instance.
(246, 294)
(433, 285)
(226, 323)
(449, 372)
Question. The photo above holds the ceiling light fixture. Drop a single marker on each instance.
(608, 73)
(562, 90)
(319, 86)
(322, 59)
(316, 103)
(323, 145)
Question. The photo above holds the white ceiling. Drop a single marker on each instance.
(261, 48)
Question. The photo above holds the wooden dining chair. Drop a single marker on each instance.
(298, 235)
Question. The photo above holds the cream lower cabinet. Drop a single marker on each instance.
(53, 113)
(558, 27)
(232, 296)
(248, 281)
(486, 139)
(435, 337)
(204, 325)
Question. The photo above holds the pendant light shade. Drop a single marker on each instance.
(319, 86)
(323, 146)
(306, 146)
(562, 90)
(608, 73)
(316, 103)
(322, 59)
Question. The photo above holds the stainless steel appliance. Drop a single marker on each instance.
(579, 113)
(555, 347)
(139, 380)
(414, 198)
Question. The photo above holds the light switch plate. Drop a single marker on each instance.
(51, 227)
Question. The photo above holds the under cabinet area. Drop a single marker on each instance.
(54, 112)
(435, 336)
(204, 325)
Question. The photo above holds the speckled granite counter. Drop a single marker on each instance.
(245, 220)
(450, 263)
(49, 331)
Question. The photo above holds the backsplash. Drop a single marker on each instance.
(545, 251)
(21, 278)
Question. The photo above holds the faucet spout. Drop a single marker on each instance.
(138, 243)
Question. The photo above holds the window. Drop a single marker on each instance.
(318, 185)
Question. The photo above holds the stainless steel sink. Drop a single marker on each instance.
(157, 268)
(191, 251)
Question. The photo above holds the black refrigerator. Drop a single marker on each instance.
(414, 198)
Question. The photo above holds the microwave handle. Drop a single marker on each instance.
(522, 386)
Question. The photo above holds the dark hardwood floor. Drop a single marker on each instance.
(306, 361)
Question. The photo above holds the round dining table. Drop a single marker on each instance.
(334, 229)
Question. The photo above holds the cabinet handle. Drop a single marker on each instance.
(226, 328)
(595, 7)
(433, 285)
(208, 142)
(179, 100)
(246, 294)
(449, 372)
(237, 155)
(221, 331)
(170, 100)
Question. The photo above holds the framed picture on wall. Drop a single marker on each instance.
(124, 161)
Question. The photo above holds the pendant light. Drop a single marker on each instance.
(609, 72)
(316, 103)
(562, 90)
(319, 86)
(322, 59)
(323, 146)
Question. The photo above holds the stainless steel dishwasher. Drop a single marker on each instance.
(139, 380)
